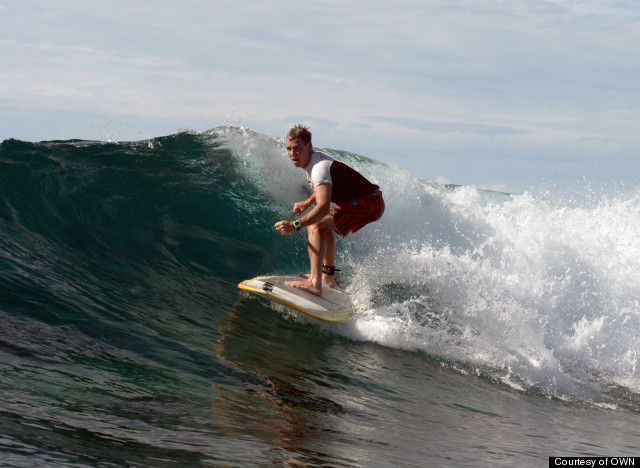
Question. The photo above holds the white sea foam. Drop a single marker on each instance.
(535, 294)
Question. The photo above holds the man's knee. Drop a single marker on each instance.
(313, 229)
(325, 226)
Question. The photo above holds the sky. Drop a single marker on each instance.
(499, 94)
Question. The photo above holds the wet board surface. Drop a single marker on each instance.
(333, 306)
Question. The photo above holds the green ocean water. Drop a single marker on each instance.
(491, 329)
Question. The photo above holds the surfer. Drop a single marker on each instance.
(357, 202)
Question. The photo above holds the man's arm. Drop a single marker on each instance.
(301, 207)
(321, 197)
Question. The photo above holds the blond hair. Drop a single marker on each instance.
(300, 131)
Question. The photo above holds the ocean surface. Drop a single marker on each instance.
(491, 329)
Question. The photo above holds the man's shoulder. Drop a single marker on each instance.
(320, 162)
(318, 156)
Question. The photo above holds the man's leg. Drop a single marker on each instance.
(317, 238)
(329, 257)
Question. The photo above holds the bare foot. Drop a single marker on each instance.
(305, 286)
(329, 280)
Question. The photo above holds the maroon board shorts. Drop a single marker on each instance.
(351, 216)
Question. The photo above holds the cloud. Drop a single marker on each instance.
(431, 84)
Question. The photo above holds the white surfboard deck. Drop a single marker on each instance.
(333, 306)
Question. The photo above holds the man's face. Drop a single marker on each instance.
(299, 153)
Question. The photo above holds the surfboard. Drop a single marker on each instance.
(333, 306)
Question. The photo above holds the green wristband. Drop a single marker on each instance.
(296, 224)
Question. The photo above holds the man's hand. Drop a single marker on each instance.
(300, 207)
(285, 227)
